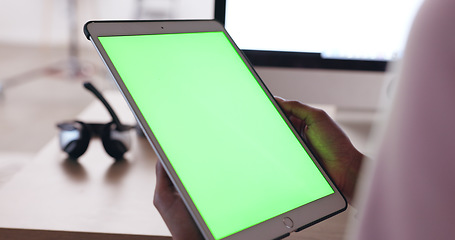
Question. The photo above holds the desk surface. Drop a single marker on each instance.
(93, 195)
(97, 198)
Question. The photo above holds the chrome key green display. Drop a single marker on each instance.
(237, 158)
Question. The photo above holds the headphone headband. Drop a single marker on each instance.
(75, 136)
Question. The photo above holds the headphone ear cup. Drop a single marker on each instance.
(74, 138)
(116, 142)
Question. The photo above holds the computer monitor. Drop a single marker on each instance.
(327, 34)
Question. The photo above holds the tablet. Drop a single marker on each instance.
(239, 165)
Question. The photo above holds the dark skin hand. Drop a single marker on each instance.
(328, 142)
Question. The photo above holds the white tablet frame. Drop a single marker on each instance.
(275, 228)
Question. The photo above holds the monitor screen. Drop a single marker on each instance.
(339, 34)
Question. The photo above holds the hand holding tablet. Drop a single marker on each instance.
(242, 170)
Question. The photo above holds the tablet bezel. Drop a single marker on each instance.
(302, 217)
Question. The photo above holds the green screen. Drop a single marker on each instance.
(235, 155)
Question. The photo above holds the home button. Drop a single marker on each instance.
(288, 222)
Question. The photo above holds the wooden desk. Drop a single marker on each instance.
(96, 198)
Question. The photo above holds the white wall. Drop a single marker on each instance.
(45, 22)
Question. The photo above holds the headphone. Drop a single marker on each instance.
(74, 136)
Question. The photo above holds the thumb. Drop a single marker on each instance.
(307, 114)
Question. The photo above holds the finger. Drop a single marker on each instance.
(279, 99)
(302, 111)
(162, 179)
(164, 189)
(298, 124)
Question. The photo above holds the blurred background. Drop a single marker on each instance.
(45, 58)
